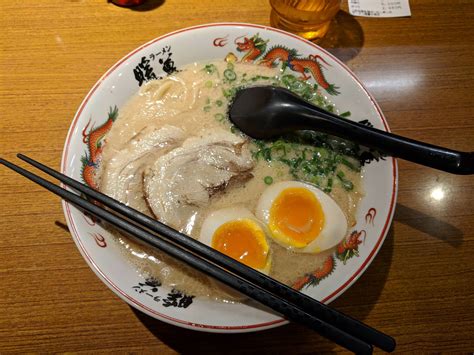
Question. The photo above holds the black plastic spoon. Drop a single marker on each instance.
(265, 112)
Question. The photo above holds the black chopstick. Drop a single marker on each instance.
(278, 304)
(306, 303)
(290, 311)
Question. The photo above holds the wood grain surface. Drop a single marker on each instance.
(419, 288)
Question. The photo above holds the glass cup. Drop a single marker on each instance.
(307, 18)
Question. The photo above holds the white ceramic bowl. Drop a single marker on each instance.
(201, 43)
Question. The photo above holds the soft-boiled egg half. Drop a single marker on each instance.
(236, 232)
(301, 217)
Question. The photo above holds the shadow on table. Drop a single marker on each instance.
(429, 225)
(62, 225)
(357, 302)
(147, 5)
(345, 37)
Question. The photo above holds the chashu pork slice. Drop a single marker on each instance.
(122, 174)
(182, 181)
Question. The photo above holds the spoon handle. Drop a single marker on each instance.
(452, 161)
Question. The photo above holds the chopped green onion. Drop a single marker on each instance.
(288, 79)
(210, 68)
(329, 185)
(349, 164)
(219, 103)
(316, 180)
(230, 75)
(229, 93)
(230, 66)
(268, 180)
(220, 117)
(206, 108)
(267, 154)
(345, 114)
(208, 84)
(348, 186)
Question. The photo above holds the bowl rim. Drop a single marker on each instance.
(206, 327)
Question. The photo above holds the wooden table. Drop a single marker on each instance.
(419, 289)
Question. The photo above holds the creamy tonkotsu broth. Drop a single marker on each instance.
(160, 144)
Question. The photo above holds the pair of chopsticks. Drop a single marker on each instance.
(293, 305)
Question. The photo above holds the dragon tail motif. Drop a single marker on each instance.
(317, 276)
(94, 139)
(346, 249)
(349, 247)
(87, 171)
(312, 66)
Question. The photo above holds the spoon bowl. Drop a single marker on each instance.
(265, 112)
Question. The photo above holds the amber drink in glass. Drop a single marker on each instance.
(307, 18)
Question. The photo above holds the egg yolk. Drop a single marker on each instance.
(243, 240)
(296, 217)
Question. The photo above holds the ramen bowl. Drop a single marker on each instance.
(169, 53)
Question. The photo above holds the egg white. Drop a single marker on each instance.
(222, 216)
(335, 224)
